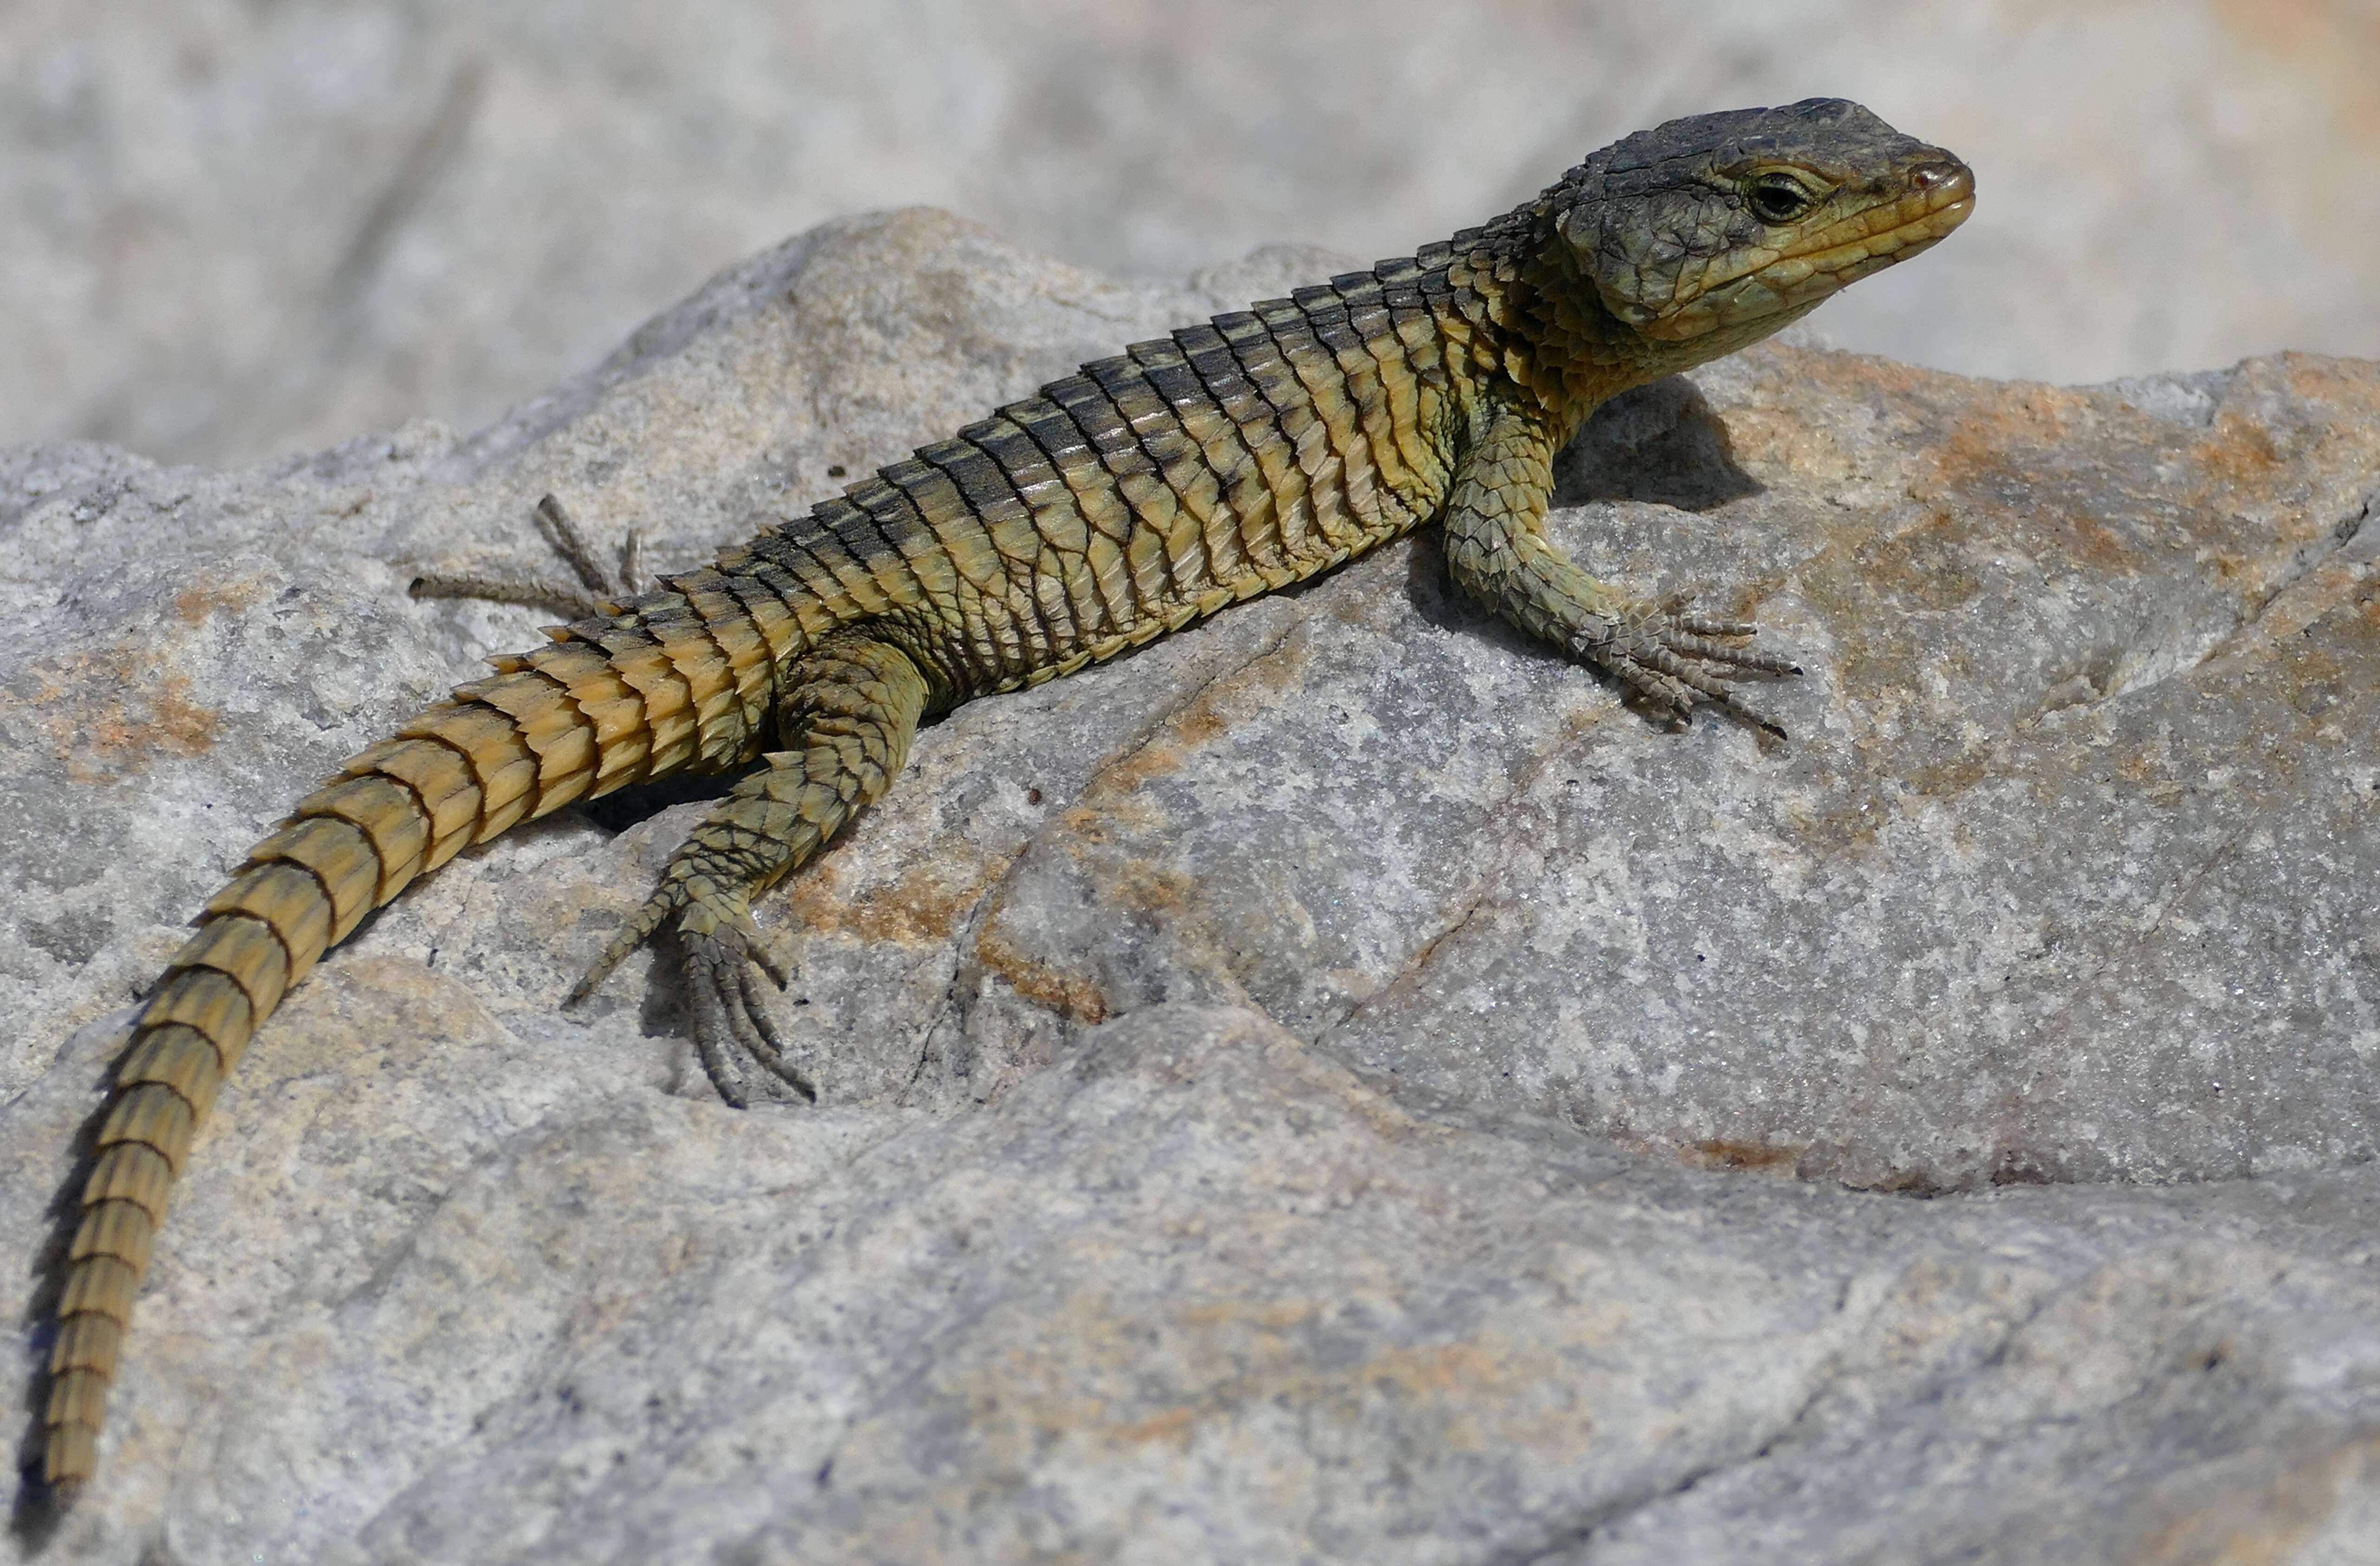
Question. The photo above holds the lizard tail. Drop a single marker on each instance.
(573, 719)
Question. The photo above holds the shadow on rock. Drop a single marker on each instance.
(1661, 443)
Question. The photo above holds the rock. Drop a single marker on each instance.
(1327, 1086)
(1198, 1293)
(240, 231)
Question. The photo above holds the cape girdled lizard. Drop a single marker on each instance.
(1120, 502)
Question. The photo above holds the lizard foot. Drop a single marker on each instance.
(1671, 658)
(601, 590)
(719, 948)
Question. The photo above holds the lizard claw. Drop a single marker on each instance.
(728, 1008)
(720, 948)
(1670, 658)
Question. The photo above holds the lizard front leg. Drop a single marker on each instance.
(849, 710)
(1497, 549)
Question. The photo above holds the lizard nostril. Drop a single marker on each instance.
(1942, 184)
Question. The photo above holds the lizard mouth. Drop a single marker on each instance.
(1935, 198)
(1931, 199)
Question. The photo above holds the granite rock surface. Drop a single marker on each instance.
(1336, 1084)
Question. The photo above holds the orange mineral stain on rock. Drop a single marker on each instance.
(1719, 1153)
(107, 716)
(194, 604)
(1070, 995)
(926, 903)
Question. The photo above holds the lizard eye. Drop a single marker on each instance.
(1777, 198)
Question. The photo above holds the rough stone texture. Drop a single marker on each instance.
(1424, 1196)
(237, 229)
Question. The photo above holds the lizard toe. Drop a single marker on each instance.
(756, 1029)
(1674, 661)
(732, 1019)
(724, 953)
(713, 1033)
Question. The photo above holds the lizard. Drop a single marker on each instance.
(1144, 493)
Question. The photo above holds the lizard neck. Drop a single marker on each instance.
(1542, 339)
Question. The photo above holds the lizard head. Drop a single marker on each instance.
(1703, 234)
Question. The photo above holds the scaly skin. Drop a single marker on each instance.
(1124, 501)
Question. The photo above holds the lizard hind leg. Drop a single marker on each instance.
(849, 710)
(599, 594)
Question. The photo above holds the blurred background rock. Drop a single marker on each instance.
(233, 228)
